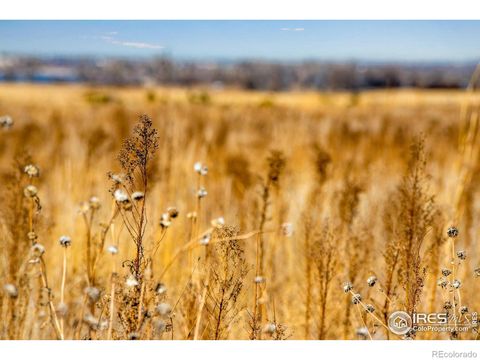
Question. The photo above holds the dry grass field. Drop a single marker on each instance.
(165, 213)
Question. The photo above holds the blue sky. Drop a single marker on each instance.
(278, 40)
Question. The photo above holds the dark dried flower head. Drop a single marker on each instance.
(462, 255)
(276, 164)
(133, 336)
(172, 212)
(446, 272)
(463, 310)
(369, 308)
(356, 298)
(452, 232)
(32, 236)
(442, 282)
(447, 305)
(477, 272)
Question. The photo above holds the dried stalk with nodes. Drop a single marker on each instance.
(276, 164)
(131, 195)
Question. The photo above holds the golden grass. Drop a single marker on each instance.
(360, 199)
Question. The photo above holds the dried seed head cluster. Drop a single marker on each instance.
(452, 232)
(168, 216)
(356, 299)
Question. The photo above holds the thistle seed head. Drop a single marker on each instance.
(38, 250)
(172, 212)
(164, 309)
(6, 122)
(356, 298)
(165, 221)
(65, 241)
(31, 170)
(218, 222)
(113, 249)
(93, 293)
(456, 284)
(270, 328)
(372, 280)
(161, 289)
(201, 193)
(11, 290)
(347, 287)
(120, 196)
(442, 282)
(138, 195)
(94, 203)
(30, 191)
(131, 281)
(259, 280)
(205, 240)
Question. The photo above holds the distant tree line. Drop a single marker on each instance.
(254, 75)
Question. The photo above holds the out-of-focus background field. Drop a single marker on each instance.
(330, 219)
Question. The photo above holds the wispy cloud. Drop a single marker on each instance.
(292, 29)
(110, 38)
